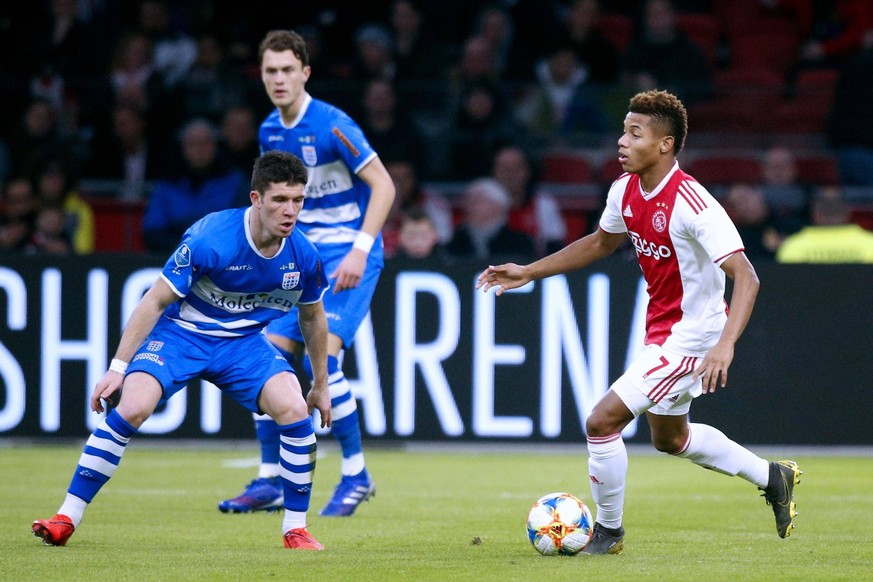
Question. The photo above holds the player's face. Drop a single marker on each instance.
(641, 145)
(284, 77)
(278, 208)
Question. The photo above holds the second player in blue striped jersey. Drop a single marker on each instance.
(348, 197)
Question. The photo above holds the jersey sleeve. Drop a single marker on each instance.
(713, 228)
(191, 259)
(611, 220)
(349, 142)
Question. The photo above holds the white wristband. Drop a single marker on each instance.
(117, 365)
(364, 242)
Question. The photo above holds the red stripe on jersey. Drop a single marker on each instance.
(692, 198)
(726, 255)
(685, 367)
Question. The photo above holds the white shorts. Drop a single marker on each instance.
(660, 382)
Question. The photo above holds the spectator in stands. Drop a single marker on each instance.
(480, 127)
(418, 238)
(494, 25)
(174, 51)
(213, 84)
(850, 125)
(748, 209)
(420, 55)
(204, 184)
(239, 137)
(484, 231)
(663, 57)
(57, 186)
(17, 214)
(374, 55)
(412, 195)
(132, 70)
(388, 126)
(783, 190)
(597, 55)
(50, 235)
(532, 211)
(37, 138)
(838, 33)
(831, 238)
(124, 153)
(558, 102)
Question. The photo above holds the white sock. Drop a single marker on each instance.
(353, 465)
(268, 470)
(74, 508)
(710, 448)
(607, 470)
(293, 520)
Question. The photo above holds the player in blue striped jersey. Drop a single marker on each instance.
(233, 272)
(348, 197)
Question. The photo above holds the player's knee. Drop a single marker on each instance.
(596, 426)
(670, 444)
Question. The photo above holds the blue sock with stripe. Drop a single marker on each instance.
(344, 416)
(297, 467)
(101, 456)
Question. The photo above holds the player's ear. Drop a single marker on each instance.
(666, 144)
(255, 197)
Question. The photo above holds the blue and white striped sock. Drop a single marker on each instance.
(97, 464)
(297, 461)
(344, 416)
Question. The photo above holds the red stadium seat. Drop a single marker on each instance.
(704, 31)
(566, 168)
(821, 170)
(617, 28)
(766, 49)
(610, 170)
(117, 225)
(717, 169)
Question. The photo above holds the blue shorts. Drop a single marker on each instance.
(344, 310)
(239, 366)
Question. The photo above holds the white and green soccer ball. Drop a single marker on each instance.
(559, 524)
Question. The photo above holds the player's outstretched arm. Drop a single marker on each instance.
(576, 255)
(140, 324)
(313, 326)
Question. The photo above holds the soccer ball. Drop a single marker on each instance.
(559, 524)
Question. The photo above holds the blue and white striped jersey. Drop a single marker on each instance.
(230, 289)
(334, 150)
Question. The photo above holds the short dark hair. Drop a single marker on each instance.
(278, 167)
(666, 109)
(284, 40)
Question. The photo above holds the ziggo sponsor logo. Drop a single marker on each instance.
(649, 249)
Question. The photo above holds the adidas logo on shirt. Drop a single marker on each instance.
(627, 211)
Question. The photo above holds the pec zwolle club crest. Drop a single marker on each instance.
(659, 220)
(290, 280)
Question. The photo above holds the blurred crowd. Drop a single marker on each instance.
(157, 103)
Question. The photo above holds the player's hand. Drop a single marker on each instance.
(319, 398)
(714, 367)
(508, 276)
(108, 388)
(350, 270)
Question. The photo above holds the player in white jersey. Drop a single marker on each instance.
(232, 273)
(349, 195)
(685, 244)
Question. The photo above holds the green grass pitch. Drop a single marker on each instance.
(438, 515)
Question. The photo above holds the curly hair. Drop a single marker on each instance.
(284, 40)
(666, 110)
